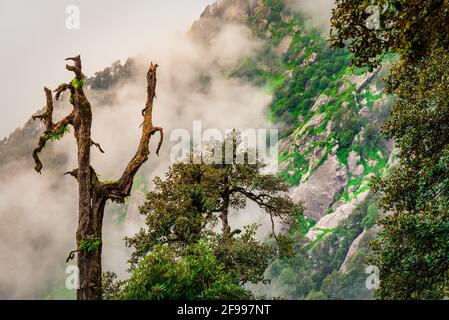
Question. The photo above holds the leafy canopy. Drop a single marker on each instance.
(188, 220)
(412, 248)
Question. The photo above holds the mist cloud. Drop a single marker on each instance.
(39, 212)
(317, 11)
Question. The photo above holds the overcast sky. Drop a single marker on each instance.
(34, 41)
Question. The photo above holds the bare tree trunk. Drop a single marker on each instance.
(89, 223)
(225, 227)
(89, 262)
(93, 193)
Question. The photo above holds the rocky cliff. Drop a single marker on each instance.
(329, 114)
(331, 148)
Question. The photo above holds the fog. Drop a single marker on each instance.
(35, 41)
(318, 12)
(39, 212)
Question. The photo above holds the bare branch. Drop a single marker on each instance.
(49, 133)
(161, 139)
(76, 68)
(235, 231)
(36, 151)
(47, 116)
(123, 186)
(73, 173)
(71, 255)
(63, 87)
(92, 143)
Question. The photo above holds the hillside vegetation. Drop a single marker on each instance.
(330, 114)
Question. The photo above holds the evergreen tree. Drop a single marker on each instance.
(183, 214)
(412, 250)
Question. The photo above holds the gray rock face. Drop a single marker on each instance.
(364, 112)
(309, 60)
(358, 171)
(355, 245)
(319, 191)
(231, 10)
(333, 220)
(355, 169)
(228, 11)
(322, 100)
(360, 81)
(353, 158)
(360, 242)
(283, 46)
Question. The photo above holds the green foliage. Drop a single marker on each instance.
(414, 238)
(349, 285)
(180, 215)
(373, 28)
(299, 164)
(59, 134)
(371, 217)
(103, 80)
(307, 79)
(194, 196)
(78, 83)
(412, 248)
(304, 224)
(313, 271)
(297, 95)
(251, 70)
(90, 245)
(244, 255)
(372, 136)
(196, 274)
(342, 155)
(346, 125)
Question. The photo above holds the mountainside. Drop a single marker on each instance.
(329, 114)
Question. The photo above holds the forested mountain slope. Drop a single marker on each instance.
(329, 114)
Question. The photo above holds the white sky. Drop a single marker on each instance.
(34, 42)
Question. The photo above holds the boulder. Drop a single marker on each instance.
(311, 59)
(321, 100)
(334, 219)
(353, 159)
(365, 112)
(372, 163)
(352, 250)
(319, 191)
(360, 242)
(283, 46)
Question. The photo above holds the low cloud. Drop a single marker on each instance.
(39, 212)
(318, 12)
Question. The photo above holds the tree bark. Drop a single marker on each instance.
(94, 194)
(225, 228)
(89, 263)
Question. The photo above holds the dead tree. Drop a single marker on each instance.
(93, 193)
